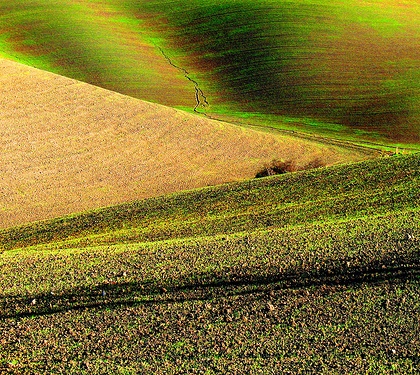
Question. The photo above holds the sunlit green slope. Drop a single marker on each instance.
(94, 42)
(353, 63)
(314, 271)
(361, 190)
(345, 68)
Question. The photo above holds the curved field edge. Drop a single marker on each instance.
(349, 70)
(68, 146)
(344, 69)
(97, 43)
(335, 293)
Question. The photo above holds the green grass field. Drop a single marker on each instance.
(314, 271)
(349, 63)
(347, 69)
(93, 42)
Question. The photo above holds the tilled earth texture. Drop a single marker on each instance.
(67, 146)
(326, 284)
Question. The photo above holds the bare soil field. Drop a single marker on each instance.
(69, 146)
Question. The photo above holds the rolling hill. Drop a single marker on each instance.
(346, 69)
(68, 146)
(134, 238)
(92, 42)
(350, 63)
(314, 271)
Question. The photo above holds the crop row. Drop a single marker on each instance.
(200, 282)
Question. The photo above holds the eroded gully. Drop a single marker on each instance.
(200, 98)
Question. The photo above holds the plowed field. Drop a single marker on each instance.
(69, 146)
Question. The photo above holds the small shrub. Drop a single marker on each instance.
(281, 167)
(277, 167)
(316, 163)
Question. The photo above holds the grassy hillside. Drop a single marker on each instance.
(315, 271)
(93, 42)
(69, 146)
(351, 63)
(344, 68)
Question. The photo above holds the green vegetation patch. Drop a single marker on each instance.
(90, 41)
(350, 64)
(311, 271)
(320, 59)
(327, 194)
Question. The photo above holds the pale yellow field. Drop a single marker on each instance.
(67, 146)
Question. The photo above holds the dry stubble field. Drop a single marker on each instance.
(68, 146)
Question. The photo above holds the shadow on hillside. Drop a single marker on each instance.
(207, 286)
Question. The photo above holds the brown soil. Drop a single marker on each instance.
(68, 146)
